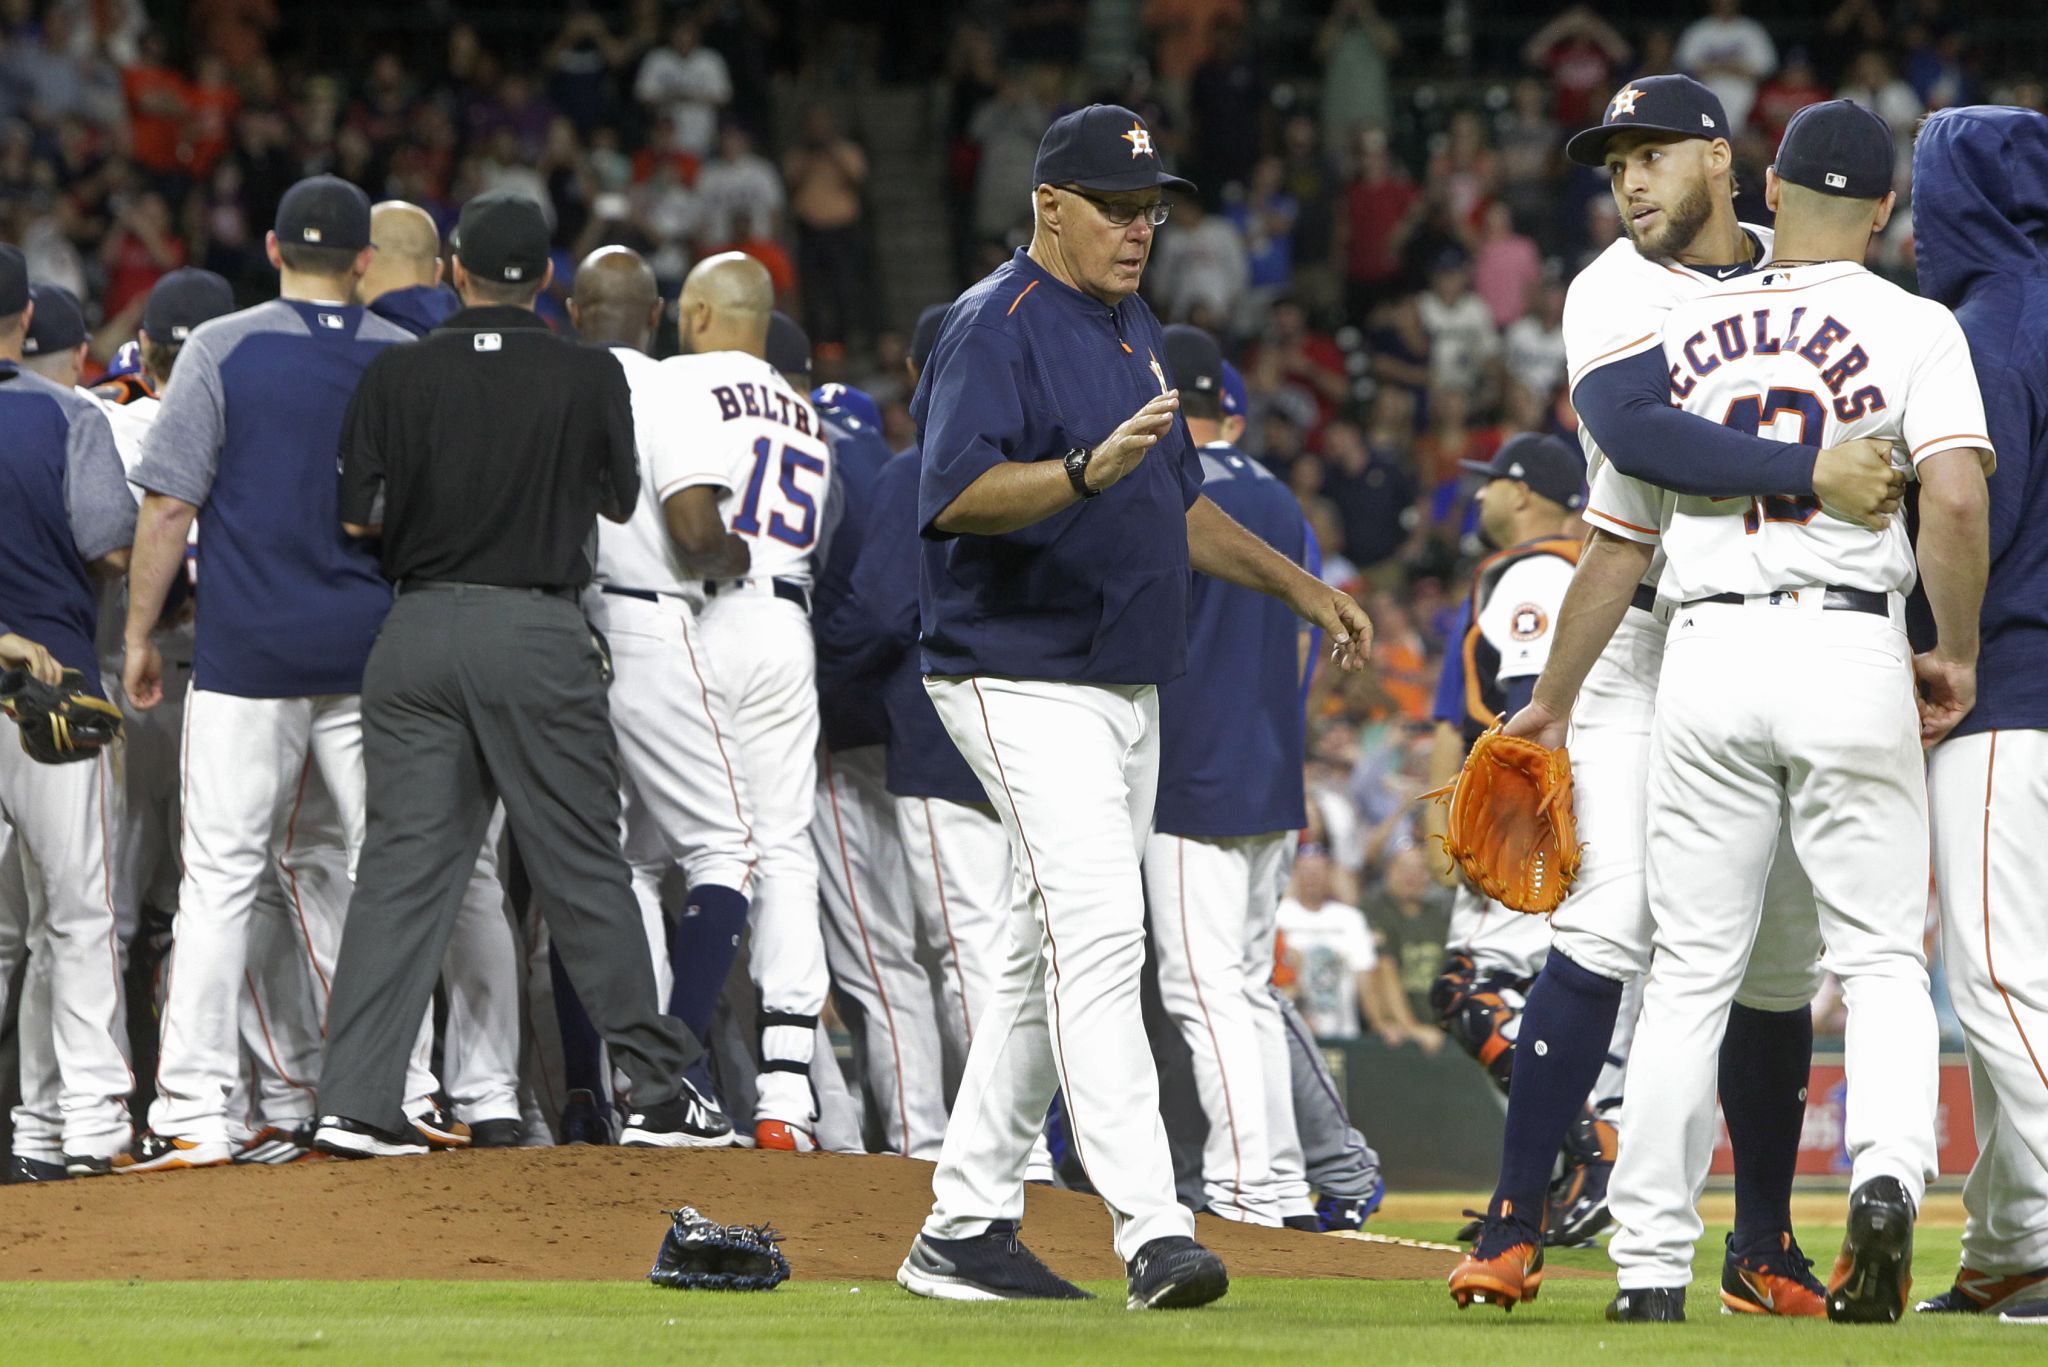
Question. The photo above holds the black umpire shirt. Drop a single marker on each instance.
(494, 445)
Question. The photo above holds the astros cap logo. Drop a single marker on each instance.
(1624, 102)
(1140, 140)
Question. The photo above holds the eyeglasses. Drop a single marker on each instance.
(1121, 216)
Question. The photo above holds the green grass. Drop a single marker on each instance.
(1261, 1321)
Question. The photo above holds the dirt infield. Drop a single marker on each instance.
(587, 1214)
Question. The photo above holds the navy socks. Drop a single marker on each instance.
(1565, 1031)
(1766, 1058)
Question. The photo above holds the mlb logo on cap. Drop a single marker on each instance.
(310, 233)
(1837, 148)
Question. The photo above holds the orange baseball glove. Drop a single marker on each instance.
(1511, 825)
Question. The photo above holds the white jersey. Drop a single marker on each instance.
(131, 422)
(1818, 355)
(745, 431)
(1519, 618)
(1616, 308)
(639, 553)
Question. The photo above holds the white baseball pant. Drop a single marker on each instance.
(1074, 771)
(962, 886)
(871, 945)
(1766, 715)
(60, 912)
(766, 662)
(1213, 906)
(1500, 941)
(1989, 798)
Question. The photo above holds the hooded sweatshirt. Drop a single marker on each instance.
(1980, 226)
(419, 309)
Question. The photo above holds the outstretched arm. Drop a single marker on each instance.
(1218, 546)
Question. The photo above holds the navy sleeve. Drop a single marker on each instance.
(1449, 705)
(362, 456)
(1190, 466)
(2016, 433)
(974, 418)
(885, 575)
(1627, 407)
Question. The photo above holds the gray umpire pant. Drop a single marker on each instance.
(473, 694)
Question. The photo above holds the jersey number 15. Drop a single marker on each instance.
(802, 503)
(1750, 414)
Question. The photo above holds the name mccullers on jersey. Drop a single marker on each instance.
(759, 401)
(1732, 341)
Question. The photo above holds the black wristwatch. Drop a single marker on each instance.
(1077, 471)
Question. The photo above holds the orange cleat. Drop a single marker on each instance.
(1770, 1276)
(783, 1136)
(1505, 1266)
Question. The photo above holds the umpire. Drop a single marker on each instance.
(492, 446)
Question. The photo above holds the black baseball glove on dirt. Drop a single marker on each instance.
(700, 1255)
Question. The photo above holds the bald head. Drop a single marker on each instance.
(616, 301)
(725, 305)
(408, 254)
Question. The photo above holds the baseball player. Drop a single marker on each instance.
(404, 283)
(1229, 803)
(1053, 595)
(244, 444)
(686, 794)
(1976, 179)
(1661, 143)
(759, 445)
(1788, 697)
(70, 521)
(871, 938)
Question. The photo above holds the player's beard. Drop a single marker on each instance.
(1682, 223)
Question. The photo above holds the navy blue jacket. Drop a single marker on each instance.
(1027, 369)
(1230, 729)
(850, 711)
(419, 309)
(1980, 226)
(922, 759)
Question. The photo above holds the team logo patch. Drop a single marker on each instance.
(1624, 102)
(1140, 140)
(1528, 623)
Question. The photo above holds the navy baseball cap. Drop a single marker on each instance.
(1840, 148)
(13, 281)
(1102, 147)
(324, 211)
(1194, 361)
(925, 335)
(1235, 401)
(502, 237)
(1542, 462)
(58, 324)
(1657, 104)
(789, 346)
(182, 301)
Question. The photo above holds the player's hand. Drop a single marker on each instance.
(1538, 723)
(1122, 449)
(1858, 483)
(142, 674)
(738, 559)
(1947, 692)
(1340, 617)
(19, 651)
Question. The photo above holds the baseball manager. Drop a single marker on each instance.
(1061, 503)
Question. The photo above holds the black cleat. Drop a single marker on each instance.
(993, 1266)
(341, 1136)
(1308, 1223)
(495, 1134)
(1648, 1305)
(586, 1119)
(1874, 1273)
(22, 1169)
(690, 1121)
(1175, 1273)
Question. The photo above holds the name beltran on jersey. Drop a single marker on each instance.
(1774, 331)
(759, 401)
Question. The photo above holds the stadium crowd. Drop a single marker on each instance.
(1383, 258)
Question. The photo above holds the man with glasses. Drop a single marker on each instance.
(1053, 601)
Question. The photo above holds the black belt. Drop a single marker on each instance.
(788, 590)
(565, 591)
(644, 595)
(1644, 597)
(1835, 599)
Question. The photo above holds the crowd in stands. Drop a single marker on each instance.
(1383, 236)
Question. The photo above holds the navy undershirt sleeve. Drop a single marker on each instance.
(1518, 690)
(1627, 407)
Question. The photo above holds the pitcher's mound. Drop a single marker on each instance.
(564, 1214)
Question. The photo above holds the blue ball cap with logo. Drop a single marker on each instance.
(324, 211)
(1194, 361)
(1652, 104)
(1103, 147)
(182, 301)
(1542, 462)
(788, 348)
(1235, 400)
(58, 324)
(1840, 148)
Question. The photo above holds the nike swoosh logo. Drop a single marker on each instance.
(1723, 275)
(1763, 1297)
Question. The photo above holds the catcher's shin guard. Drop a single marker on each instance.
(1478, 1015)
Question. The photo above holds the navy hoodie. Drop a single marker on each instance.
(1980, 227)
(419, 309)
